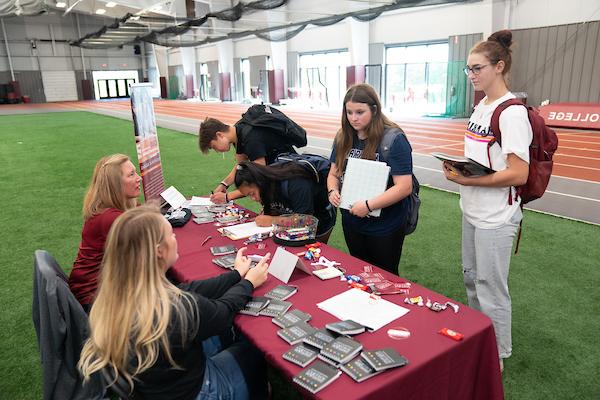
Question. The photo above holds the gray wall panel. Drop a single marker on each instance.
(292, 70)
(594, 94)
(31, 85)
(213, 71)
(257, 64)
(569, 64)
(559, 63)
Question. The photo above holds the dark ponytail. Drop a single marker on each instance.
(265, 177)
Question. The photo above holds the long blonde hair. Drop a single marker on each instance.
(361, 93)
(130, 318)
(106, 187)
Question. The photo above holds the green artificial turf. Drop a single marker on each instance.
(45, 165)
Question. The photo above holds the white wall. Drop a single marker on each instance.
(315, 38)
(431, 23)
(539, 13)
(251, 46)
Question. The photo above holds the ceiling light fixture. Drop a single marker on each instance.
(111, 4)
(61, 4)
(100, 11)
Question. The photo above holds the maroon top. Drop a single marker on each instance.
(438, 368)
(83, 280)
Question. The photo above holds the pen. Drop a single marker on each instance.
(205, 240)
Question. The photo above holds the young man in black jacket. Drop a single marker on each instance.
(257, 145)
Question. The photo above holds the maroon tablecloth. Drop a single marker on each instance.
(439, 367)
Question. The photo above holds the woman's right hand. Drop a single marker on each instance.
(242, 263)
(218, 197)
(335, 198)
(258, 274)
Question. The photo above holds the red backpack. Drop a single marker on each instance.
(541, 150)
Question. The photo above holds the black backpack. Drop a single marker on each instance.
(414, 202)
(269, 118)
(317, 165)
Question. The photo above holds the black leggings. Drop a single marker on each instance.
(381, 251)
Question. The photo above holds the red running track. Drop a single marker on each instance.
(577, 157)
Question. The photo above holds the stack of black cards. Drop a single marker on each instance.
(254, 306)
(281, 292)
(340, 351)
(347, 327)
(301, 354)
(222, 250)
(317, 376)
(295, 333)
(275, 308)
(320, 338)
(384, 359)
(359, 369)
(227, 261)
(291, 318)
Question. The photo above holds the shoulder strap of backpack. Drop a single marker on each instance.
(389, 136)
(495, 130)
(495, 121)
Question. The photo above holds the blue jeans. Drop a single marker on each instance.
(223, 378)
(486, 263)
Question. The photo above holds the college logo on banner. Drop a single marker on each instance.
(146, 140)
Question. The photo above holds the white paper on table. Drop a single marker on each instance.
(173, 197)
(242, 231)
(363, 180)
(200, 201)
(366, 309)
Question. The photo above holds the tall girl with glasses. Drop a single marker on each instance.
(490, 221)
(375, 240)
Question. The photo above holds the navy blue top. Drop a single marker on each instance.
(393, 217)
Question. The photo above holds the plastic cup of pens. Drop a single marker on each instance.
(295, 229)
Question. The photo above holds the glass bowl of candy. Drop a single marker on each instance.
(295, 229)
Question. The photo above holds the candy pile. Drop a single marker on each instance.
(432, 305)
(312, 252)
(380, 285)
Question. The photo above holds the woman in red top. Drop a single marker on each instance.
(114, 188)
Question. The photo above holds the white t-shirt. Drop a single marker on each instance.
(487, 207)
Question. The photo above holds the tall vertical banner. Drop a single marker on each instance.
(146, 140)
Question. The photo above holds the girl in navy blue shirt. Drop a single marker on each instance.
(377, 240)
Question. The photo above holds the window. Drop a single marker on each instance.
(416, 78)
(323, 77)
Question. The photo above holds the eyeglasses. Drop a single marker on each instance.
(476, 70)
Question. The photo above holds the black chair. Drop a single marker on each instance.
(119, 387)
(61, 326)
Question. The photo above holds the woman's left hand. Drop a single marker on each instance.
(359, 209)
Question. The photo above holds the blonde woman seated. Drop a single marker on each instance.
(160, 336)
(114, 188)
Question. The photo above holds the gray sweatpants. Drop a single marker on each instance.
(486, 262)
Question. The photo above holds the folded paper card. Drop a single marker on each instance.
(283, 264)
(173, 197)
